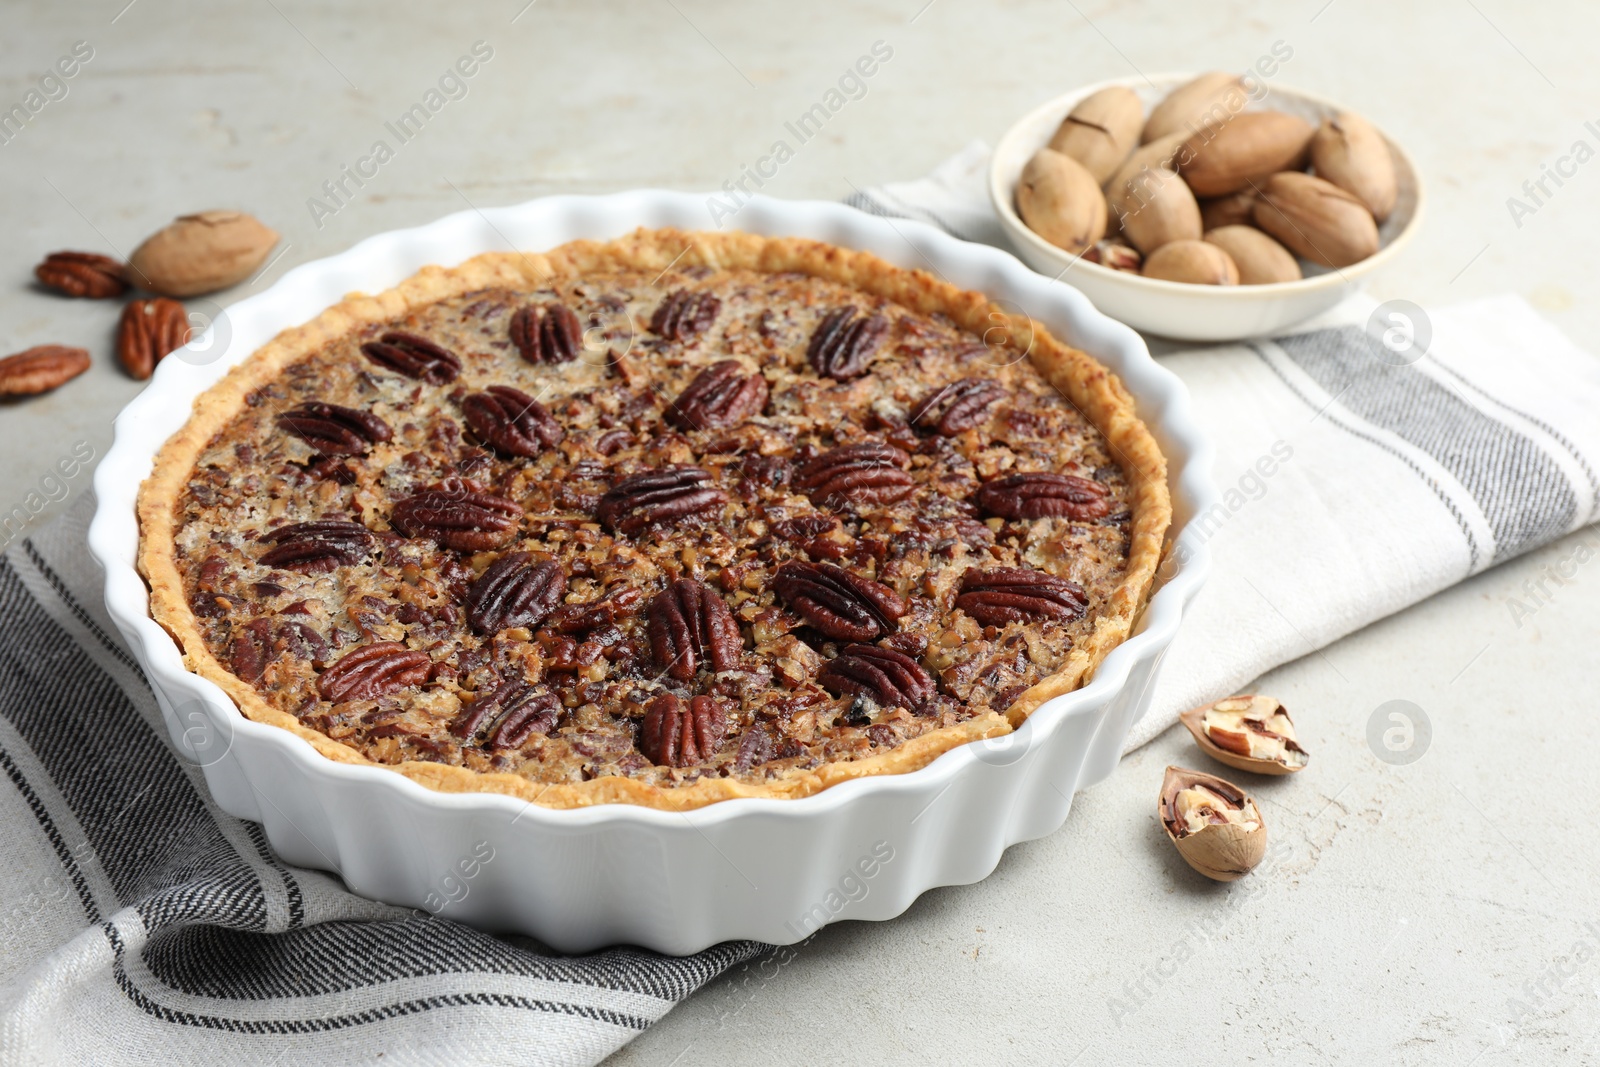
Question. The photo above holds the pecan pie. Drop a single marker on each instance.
(666, 520)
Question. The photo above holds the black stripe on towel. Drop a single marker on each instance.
(1519, 488)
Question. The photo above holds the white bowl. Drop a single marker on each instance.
(770, 870)
(1174, 309)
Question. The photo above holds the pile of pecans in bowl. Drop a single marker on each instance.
(1205, 192)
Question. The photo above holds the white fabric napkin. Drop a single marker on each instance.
(1355, 480)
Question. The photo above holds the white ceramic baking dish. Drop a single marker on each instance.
(675, 882)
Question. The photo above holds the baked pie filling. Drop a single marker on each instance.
(600, 522)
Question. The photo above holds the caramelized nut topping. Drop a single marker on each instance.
(457, 518)
(334, 430)
(511, 422)
(522, 711)
(414, 356)
(689, 626)
(260, 641)
(673, 735)
(890, 678)
(373, 671)
(721, 395)
(870, 472)
(685, 315)
(551, 334)
(700, 558)
(955, 408)
(516, 590)
(844, 344)
(1004, 595)
(317, 547)
(1043, 495)
(668, 496)
(841, 605)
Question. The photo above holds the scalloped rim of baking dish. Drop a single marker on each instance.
(386, 259)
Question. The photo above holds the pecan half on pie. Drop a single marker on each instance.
(668, 520)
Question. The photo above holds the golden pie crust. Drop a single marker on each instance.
(1094, 391)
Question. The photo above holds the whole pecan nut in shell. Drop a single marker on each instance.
(461, 519)
(685, 315)
(41, 369)
(841, 605)
(1002, 595)
(511, 422)
(373, 671)
(1042, 495)
(677, 735)
(316, 547)
(201, 253)
(86, 274)
(689, 626)
(148, 331)
(516, 590)
(892, 679)
(844, 344)
(551, 334)
(334, 430)
(721, 395)
(414, 356)
(869, 472)
(957, 407)
(666, 496)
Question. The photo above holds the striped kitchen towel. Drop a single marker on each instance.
(1366, 461)
(142, 924)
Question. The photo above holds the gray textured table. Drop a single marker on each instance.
(1408, 907)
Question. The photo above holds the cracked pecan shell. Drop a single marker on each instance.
(551, 334)
(511, 422)
(870, 472)
(457, 518)
(685, 315)
(317, 547)
(844, 344)
(521, 710)
(721, 395)
(674, 734)
(1043, 496)
(1002, 595)
(148, 331)
(841, 605)
(85, 274)
(374, 671)
(892, 679)
(334, 430)
(414, 356)
(689, 625)
(666, 496)
(957, 407)
(515, 590)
